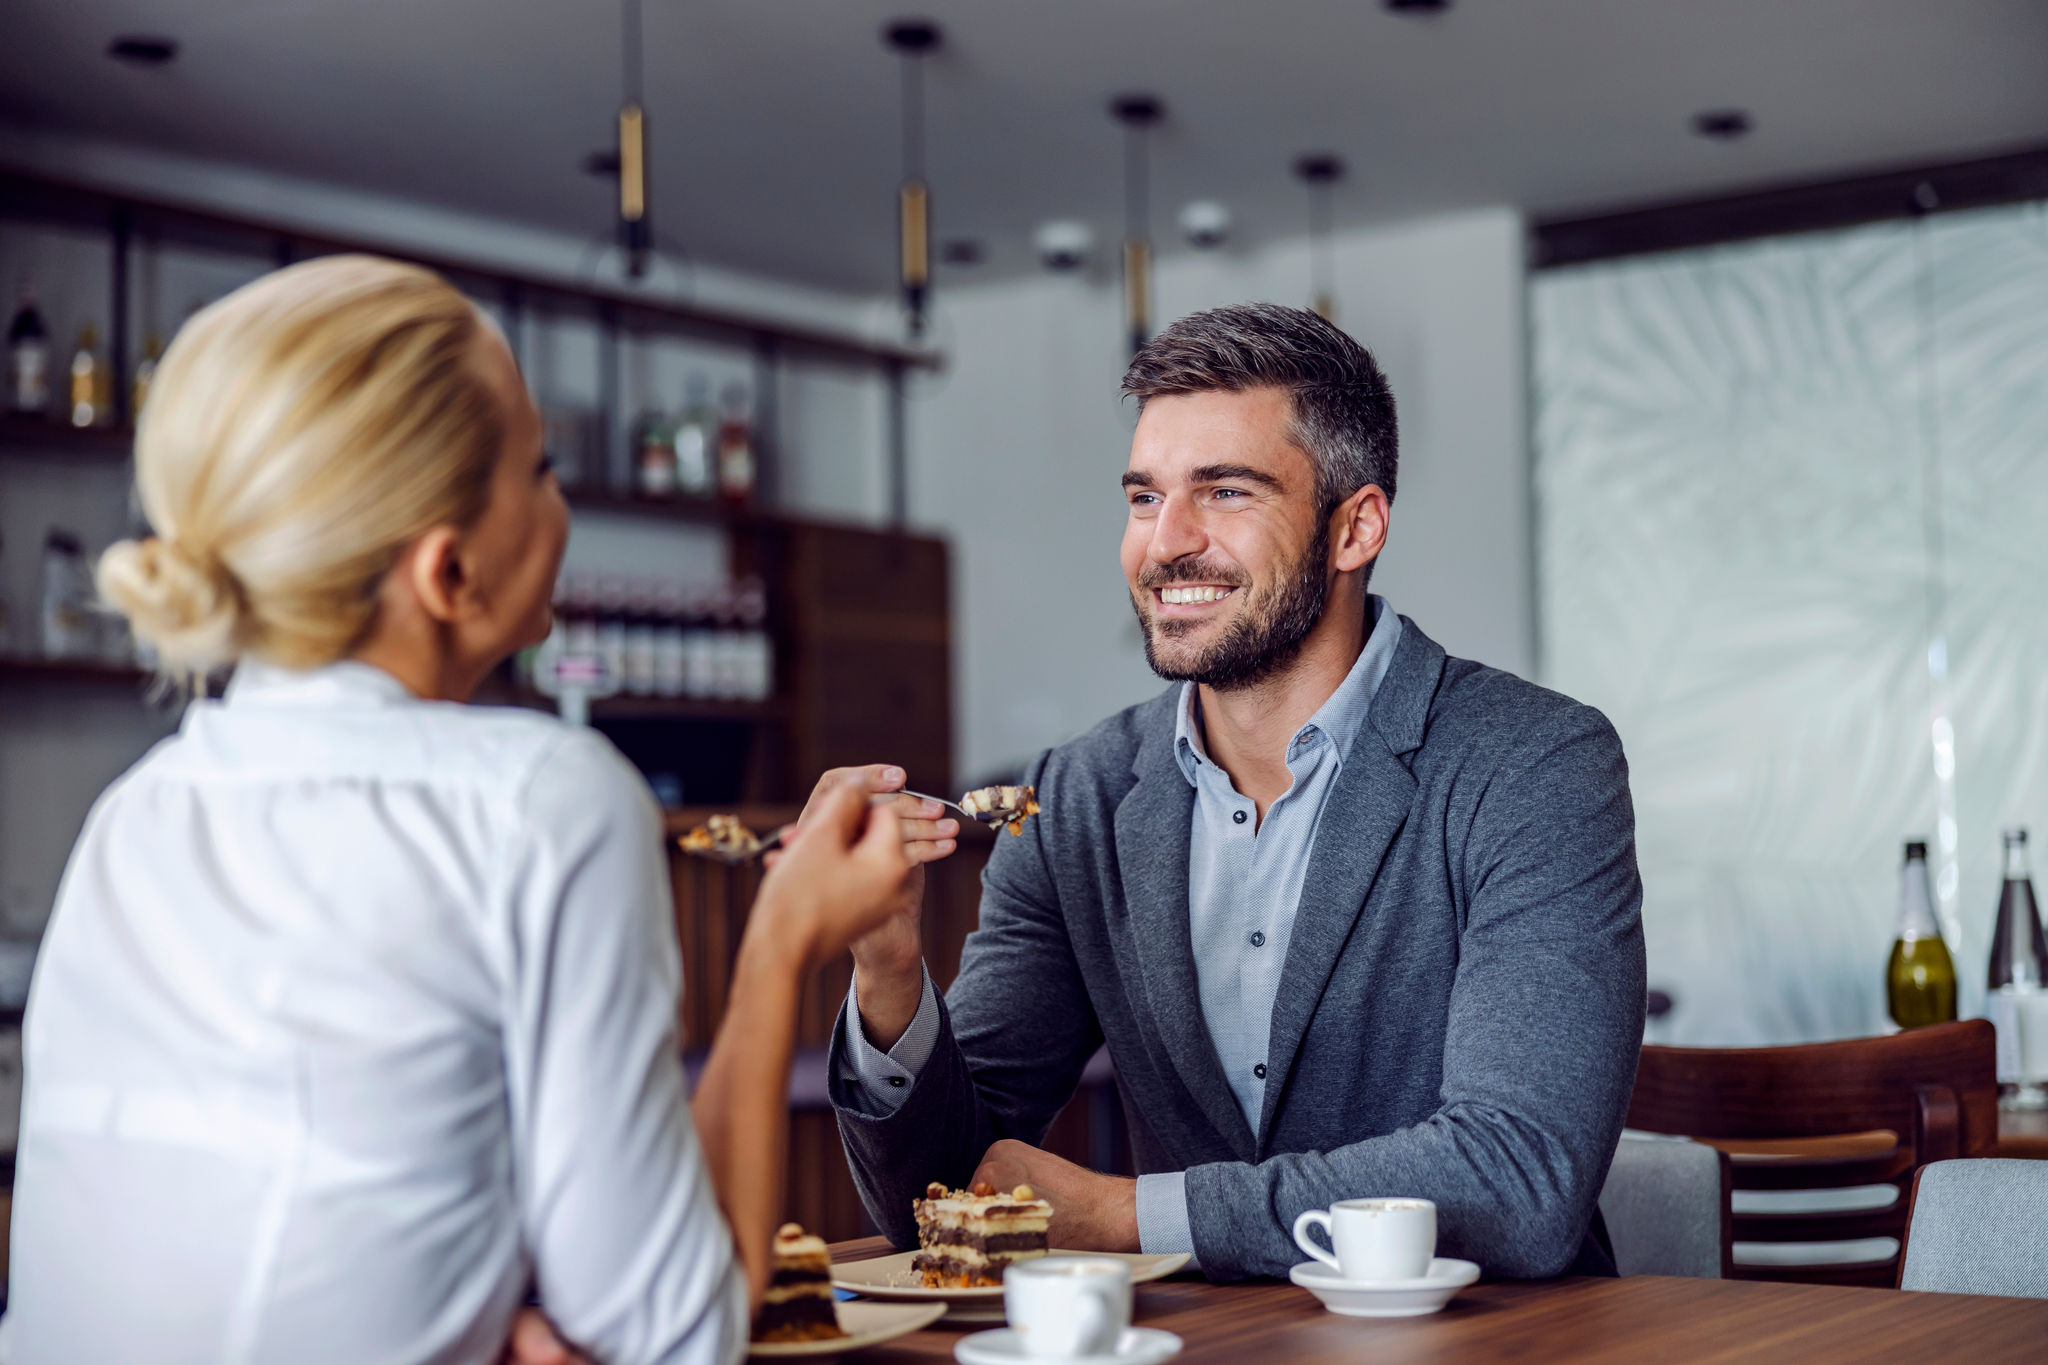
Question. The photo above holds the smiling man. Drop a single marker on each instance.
(1353, 918)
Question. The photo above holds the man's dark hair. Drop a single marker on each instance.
(1343, 409)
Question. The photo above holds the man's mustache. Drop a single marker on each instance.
(1190, 571)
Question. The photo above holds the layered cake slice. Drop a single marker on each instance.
(967, 1238)
(798, 1305)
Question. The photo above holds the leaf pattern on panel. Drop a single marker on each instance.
(1733, 564)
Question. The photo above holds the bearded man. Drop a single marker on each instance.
(1353, 918)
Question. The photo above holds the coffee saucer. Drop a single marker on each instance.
(1385, 1298)
(1137, 1346)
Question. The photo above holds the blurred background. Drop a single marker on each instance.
(1719, 331)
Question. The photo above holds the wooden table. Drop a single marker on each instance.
(1645, 1318)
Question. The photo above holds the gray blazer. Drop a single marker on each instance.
(1458, 1019)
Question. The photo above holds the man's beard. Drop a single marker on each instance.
(1265, 635)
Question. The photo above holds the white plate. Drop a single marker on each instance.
(1385, 1298)
(890, 1277)
(1137, 1346)
(865, 1324)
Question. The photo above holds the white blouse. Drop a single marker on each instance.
(356, 1017)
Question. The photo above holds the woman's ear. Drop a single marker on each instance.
(434, 571)
(1358, 529)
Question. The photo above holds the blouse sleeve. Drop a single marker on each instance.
(633, 1258)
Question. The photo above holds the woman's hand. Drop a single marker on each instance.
(840, 875)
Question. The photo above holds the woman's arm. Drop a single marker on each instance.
(841, 874)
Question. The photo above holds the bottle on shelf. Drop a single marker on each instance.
(638, 612)
(700, 662)
(1920, 981)
(654, 468)
(2017, 991)
(611, 630)
(697, 441)
(28, 356)
(756, 652)
(670, 657)
(145, 373)
(67, 598)
(736, 471)
(87, 379)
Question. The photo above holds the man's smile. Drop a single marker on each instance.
(1191, 599)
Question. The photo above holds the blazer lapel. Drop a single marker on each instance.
(1363, 813)
(1154, 824)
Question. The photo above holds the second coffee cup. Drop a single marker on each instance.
(1374, 1239)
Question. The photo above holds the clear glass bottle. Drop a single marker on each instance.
(2018, 996)
(1920, 981)
(655, 464)
(696, 440)
(86, 382)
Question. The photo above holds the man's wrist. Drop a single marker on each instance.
(887, 1001)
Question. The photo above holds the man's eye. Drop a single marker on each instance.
(1229, 493)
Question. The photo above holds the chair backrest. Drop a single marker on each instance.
(1841, 1118)
(1979, 1227)
(1666, 1206)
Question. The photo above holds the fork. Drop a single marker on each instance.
(986, 817)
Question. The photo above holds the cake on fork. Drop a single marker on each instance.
(799, 1304)
(967, 1238)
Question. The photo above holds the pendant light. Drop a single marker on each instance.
(1138, 114)
(913, 40)
(635, 232)
(1319, 171)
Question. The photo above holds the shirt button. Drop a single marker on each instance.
(1238, 816)
(1258, 938)
(1260, 1071)
(896, 1081)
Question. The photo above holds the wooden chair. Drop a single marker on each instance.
(1828, 1116)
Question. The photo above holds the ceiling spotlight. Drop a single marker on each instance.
(961, 251)
(1418, 6)
(1722, 125)
(1205, 223)
(137, 49)
(1064, 244)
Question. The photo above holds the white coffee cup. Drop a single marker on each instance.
(1375, 1239)
(1066, 1306)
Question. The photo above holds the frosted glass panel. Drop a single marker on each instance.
(1734, 558)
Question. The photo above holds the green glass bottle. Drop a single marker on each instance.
(1920, 983)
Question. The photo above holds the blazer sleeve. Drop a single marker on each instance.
(1545, 1025)
(1016, 1030)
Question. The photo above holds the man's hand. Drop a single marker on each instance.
(888, 962)
(1090, 1212)
(534, 1342)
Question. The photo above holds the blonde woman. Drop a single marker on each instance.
(356, 1017)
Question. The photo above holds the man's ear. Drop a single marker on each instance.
(434, 570)
(1358, 529)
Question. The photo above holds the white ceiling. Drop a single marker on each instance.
(774, 122)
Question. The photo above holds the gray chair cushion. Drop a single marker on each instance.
(1980, 1227)
(1663, 1204)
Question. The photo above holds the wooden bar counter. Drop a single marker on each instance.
(1644, 1318)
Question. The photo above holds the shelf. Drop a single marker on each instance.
(18, 668)
(40, 436)
(627, 707)
(695, 511)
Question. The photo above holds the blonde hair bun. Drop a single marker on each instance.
(299, 434)
(190, 609)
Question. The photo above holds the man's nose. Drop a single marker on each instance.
(1176, 533)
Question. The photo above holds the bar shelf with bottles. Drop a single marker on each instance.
(658, 409)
